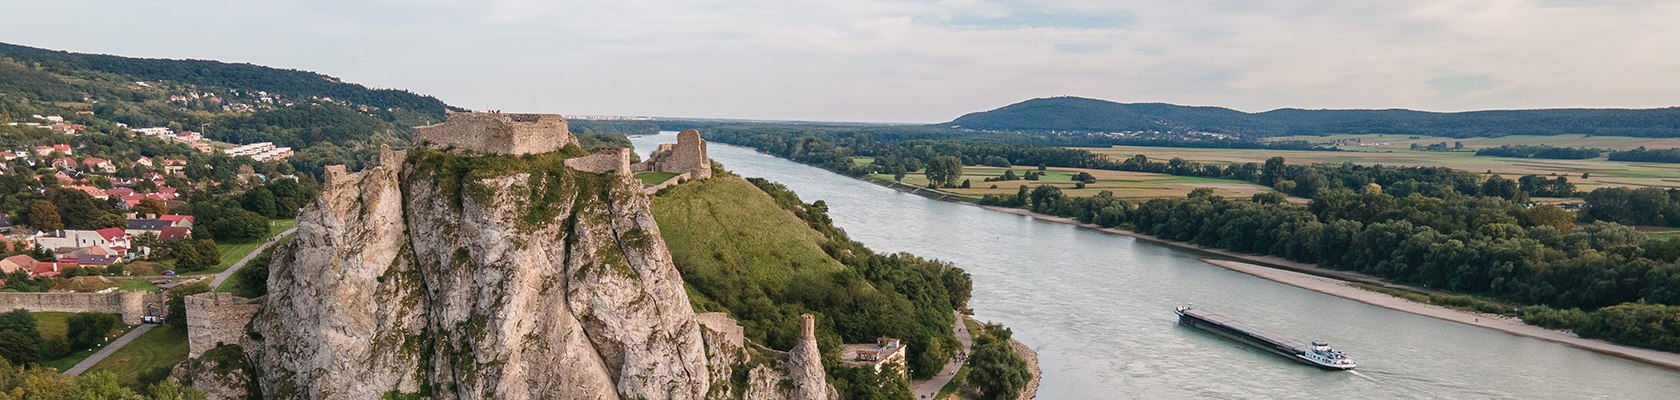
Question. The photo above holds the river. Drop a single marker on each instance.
(1098, 309)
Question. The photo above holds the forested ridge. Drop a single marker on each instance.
(1082, 114)
(1436, 228)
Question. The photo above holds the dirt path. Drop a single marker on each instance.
(109, 349)
(1508, 325)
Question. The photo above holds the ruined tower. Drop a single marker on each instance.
(687, 155)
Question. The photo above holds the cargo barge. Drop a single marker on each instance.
(1318, 354)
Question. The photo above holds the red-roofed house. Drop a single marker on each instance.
(143, 161)
(99, 164)
(175, 232)
(62, 148)
(97, 193)
(64, 163)
(178, 220)
(174, 165)
(64, 179)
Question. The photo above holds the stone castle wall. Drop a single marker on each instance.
(498, 133)
(217, 318)
(130, 305)
(600, 161)
(687, 155)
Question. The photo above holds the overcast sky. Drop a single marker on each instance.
(912, 61)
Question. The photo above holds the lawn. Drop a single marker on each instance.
(137, 285)
(161, 348)
(1124, 184)
(1601, 172)
(233, 251)
(655, 178)
(1404, 142)
(724, 229)
(55, 326)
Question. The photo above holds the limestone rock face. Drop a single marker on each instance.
(455, 277)
(222, 373)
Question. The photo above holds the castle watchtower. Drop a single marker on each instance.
(498, 133)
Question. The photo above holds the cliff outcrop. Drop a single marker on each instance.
(456, 274)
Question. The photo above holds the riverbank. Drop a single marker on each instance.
(1031, 357)
(1490, 321)
(1335, 283)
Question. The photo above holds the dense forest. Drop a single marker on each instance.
(288, 82)
(1541, 151)
(1437, 228)
(1091, 115)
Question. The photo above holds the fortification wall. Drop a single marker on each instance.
(728, 330)
(613, 160)
(687, 155)
(498, 133)
(217, 318)
(335, 173)
(675, 180)
(130, 305)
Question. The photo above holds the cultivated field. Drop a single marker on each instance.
(1601, 172)
(1129, 185)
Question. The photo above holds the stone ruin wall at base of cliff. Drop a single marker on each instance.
(130, 305)
(218, 318)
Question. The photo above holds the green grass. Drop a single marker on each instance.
(161, 348)
(137, 285)
(55, 326)
(862, 161)
(233, 251)
(725, 229)
(655, 178)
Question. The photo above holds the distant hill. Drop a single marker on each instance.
(1082, 114)
(286, 82)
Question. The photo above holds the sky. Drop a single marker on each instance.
(912, 61)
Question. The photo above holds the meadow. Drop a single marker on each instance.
(1124, 184)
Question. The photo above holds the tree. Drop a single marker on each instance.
(1085, 177)
(252, 280)
(995, 371)
(43, 215)
(944, 171)
(151, 207)
(19, 349)
(1550, 215)
(260, 201)
(88, 329)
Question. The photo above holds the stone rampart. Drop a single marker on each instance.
(600, 161)
(687, 155)
(334, 173)
(498, 133)
(675, 180)
(130, 305)
(218, 318)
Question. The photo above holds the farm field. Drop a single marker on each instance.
(1601, 173)
(1124, 184)
(1404, 142)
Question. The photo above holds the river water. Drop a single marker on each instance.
(1098, 309)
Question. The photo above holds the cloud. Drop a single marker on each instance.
(918, 61)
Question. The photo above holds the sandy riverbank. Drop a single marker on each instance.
(1508, 325)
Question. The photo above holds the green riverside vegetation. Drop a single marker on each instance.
(751, 248)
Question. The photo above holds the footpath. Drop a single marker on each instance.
(109, 349)
(929, 388)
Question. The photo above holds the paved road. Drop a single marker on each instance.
(929, 388)
(110, 348)
(241, 264)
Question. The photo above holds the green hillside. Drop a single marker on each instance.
(1092, 115)
(742, 248)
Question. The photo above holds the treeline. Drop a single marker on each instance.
(291, 83)
(1541, 151)
(1643, 154)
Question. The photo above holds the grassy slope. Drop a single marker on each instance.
(163, 347)
(724, 229)
(233, 251)
(55, 326)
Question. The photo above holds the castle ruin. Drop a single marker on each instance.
(217, 318)
(686, 156)
(498, 133)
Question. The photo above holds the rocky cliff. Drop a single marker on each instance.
(454, 275)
